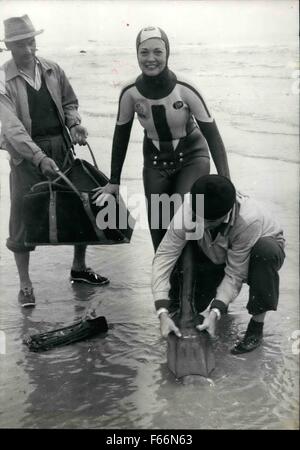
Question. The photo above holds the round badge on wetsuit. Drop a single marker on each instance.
(141, 109)
(178, 104)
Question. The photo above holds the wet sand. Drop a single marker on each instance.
(122, 381)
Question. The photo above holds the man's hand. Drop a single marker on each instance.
(79, 134)
(101, 194)
(209, 324)
(48, 167)
(167, 325)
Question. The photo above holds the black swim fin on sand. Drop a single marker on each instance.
(192, 353)
(86, 328)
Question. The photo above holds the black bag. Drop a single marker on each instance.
(61, 212)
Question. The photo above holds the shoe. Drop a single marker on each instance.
(26, 297)
(88, 276)
(247, 344)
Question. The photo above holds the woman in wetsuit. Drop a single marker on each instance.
(179, 130)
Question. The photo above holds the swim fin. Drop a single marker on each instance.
(192, 353)
(86, 328)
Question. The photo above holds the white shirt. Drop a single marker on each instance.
(37, 81)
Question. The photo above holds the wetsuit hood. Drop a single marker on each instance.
(156, 87)
(161, 85)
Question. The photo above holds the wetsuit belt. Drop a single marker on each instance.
(189, 147)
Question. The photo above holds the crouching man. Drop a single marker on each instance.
(239, 242)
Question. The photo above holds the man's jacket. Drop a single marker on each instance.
(14, 109)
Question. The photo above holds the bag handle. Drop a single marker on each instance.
(93, 158)
(50, 184)
(92, 154)
(69, 183)
(65, 178)
(47, 183)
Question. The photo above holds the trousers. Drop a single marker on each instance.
(266, 258)
(169, 181)
(22, 177)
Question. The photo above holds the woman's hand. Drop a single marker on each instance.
(101, 194)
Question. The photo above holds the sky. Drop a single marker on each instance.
(212, 22)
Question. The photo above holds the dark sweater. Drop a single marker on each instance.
(44, 117)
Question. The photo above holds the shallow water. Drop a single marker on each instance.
(122, 380)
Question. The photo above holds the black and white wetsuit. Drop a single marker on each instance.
(179, 131)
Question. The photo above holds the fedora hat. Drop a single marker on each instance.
(18, 28)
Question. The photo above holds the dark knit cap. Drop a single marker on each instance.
(150, 33)
(219, 195)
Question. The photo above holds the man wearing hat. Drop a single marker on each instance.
(238, 242)
(40, 122)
